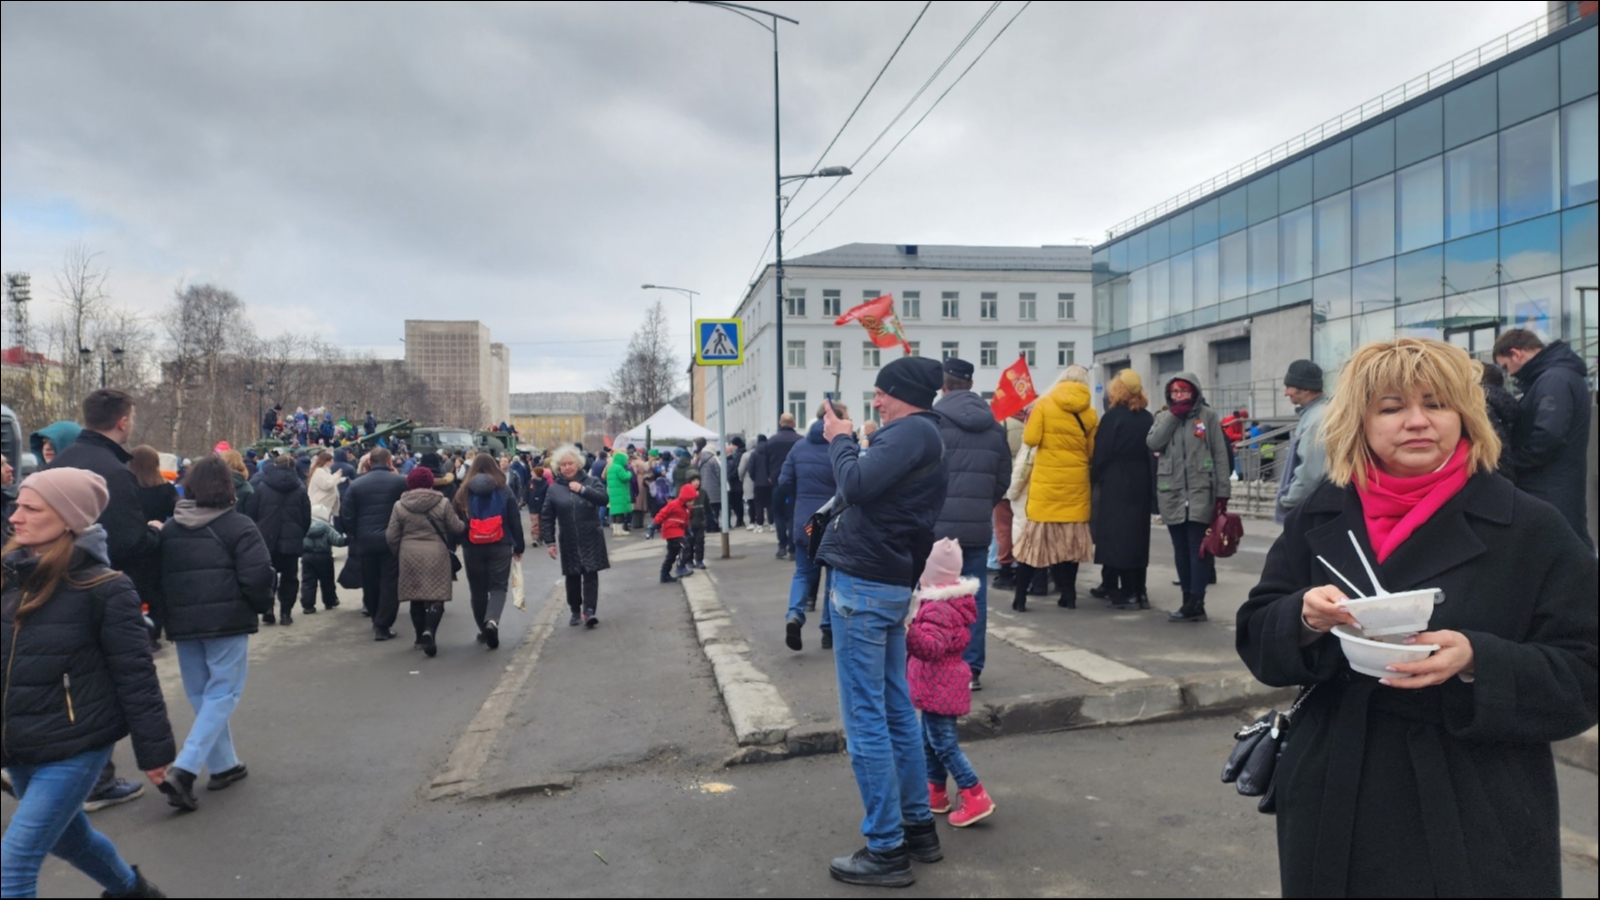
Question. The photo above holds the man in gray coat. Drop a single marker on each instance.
(710, 467)
(1307, 458)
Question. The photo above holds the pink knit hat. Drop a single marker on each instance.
(944, 564)
(78, 496)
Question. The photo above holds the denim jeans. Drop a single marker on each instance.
(50, 819)
(994, 553)
(974, 564)
(943, 750)
(213, 672)
(880, 724)
(1193, 572)
(807, 575)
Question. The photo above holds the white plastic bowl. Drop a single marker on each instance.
(1371, 657)
(1404, 613)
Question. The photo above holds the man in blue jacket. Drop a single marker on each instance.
(877, 547)
(807, 475)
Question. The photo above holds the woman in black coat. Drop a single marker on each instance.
(1122, 472)
(1437, 780)
(580, 542)
(76, 674)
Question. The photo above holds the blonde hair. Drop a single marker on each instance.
(1407, 365)
(235, 462)
(560, 453)
(1122, 395)
(1075, 373)
(841, 410)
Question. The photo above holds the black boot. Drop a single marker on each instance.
(1144, 599)
(179, 788)
(1066, 578)
(1019, 603)
(1192, 610)
(922, 839)
(1007, 579)
(892, 869)
(141, 888)
(1040, 583)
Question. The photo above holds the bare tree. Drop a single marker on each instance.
(648, 377)
(204, 323)
(80, 283)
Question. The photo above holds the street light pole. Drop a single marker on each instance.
(691, 295)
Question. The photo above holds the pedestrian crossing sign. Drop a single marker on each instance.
(719, 342)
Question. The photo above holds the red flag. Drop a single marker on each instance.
(877, 316)
(1014, 392)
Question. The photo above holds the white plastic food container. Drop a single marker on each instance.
(1370, 657)
(1404, 613)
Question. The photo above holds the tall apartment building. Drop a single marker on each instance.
(458, 358)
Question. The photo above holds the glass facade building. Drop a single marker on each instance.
(1466, 211)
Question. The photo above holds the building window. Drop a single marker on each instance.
(869, 413)
(910, 304)
(989, 353)
(797, 354)
(989, 307)
(797, 406)
(1027, 307)
(871, 356)
(795, 304)
(831, 304)
(1029, 350)
(872, 294)
(916, 348)
(988, 396)
(1067, 353)
(1067, 307)
(949, 349)
(1233, 362)
(950, 305)
(830, 354)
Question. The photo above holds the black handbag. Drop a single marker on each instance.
(350, 573)
(1257, 747)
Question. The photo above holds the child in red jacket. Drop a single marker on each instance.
(674, 521)
(941, 681)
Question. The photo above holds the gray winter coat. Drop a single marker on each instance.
(1192, 473)
(711, 476)
(979, 459)
(1306, 461)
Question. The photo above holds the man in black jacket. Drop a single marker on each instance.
(760, 484)
(773, 453)
(367, 507)
(979, 459)
(877, 546)
(130, 538)
(1550, 440)
(282, 511)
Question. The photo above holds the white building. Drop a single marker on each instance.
(986, 305)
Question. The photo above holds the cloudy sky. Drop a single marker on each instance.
(343, 167)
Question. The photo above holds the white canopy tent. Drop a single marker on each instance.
(666, 426)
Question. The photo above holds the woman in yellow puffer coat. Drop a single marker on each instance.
(1060, 436)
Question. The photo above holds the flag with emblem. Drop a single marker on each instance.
(1014, 392)
(877, 316)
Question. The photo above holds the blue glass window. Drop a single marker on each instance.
(1182, 233)
(1207, 276)
(1419, 207)
(1423, 320)
(1205, 222)
(1266, 301)
(1289, 295)
(1580, 152)
(1372, 286)
(1530, 169)
(1534, 305)
(1138, 297)
(1102, 308)
(1372, 220)
(1472, 192)
(1295, 245)
(1580, 241)
(1160, 291)
(1333, 233)
(1469, 112)
(1579, 74)
(1156, 246)
(1419, 133)
(1473, 310)
(1374, 326)
(1472, 263)
(1119, 304)
(1331, 169)
(1119, 257)
(1101, 264)
(1263, 256)
(1330, 295)
(1136, 251)
(1233, 254)
(1372, 152)
(1233, 309)
(1294, 185)
(1231, 214)
(1530, 249)
(1330, 343)
(1529, 87)
(1419, 275)
(1183, 282)
(1263, 197)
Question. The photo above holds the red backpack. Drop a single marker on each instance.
(491, 527)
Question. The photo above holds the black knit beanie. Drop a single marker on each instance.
(913, 379)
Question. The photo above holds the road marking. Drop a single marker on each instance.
(466, 763)
(759, 713)
(1084, 663)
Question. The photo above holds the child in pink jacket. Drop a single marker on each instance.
(941, 681)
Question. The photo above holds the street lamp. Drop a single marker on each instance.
(691, 295)
(87, 356)
(260, 392)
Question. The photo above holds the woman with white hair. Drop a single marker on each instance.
(1053, 471)
(569, 523)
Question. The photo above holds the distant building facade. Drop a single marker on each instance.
(551, 418)
(458, 360)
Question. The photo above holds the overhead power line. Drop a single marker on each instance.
(919, 121)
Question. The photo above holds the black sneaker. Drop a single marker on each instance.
(383, 634)
(577, 619)
(179, 788)
(791, 637)
(892, 869)
(666, 578)
(491, 635)
(482, 638)
(977, 681)
(827, 639)
(590, 620)
(309, 610)
(222, 780)
(922, 839)
(287, 618)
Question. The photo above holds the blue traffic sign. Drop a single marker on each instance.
(719, 342)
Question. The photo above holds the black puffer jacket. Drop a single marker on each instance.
(1550, 442)
(886, 532)
(979, 459)
(216, 569)
(579, 538)
(366, 509)
(129, 536)
(281, 509)
(76, 674)
(1503, 416)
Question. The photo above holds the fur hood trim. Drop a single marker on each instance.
(966, 587)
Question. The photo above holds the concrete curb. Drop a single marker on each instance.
(1581, 751)
(760, 715)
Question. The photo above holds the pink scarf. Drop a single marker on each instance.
(1395, 507)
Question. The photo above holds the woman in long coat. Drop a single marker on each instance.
(619, 492)
(570, 524)
(1056, 535)
(1122, 473)
(1437, 781)
(422, 532)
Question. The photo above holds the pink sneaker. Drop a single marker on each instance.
(938, 798)
(975, 806)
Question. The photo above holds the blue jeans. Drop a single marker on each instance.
(942, 747)
(213, 676)
(50, 819)
(880, 724)
(807, 574)
(974, 564)
(994, 552)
